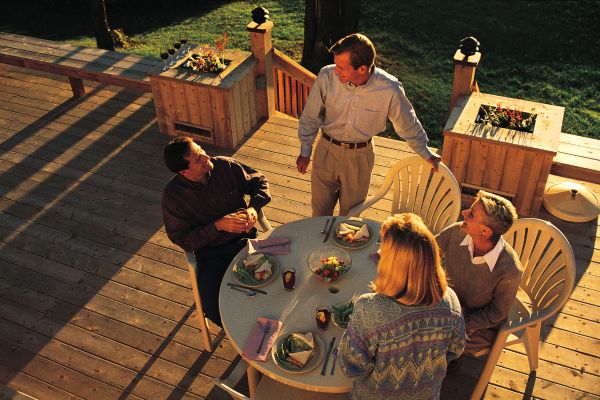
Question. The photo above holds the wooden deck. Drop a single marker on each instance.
(94, 299)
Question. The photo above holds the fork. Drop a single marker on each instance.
(266, 330)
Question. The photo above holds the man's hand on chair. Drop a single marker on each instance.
(433, 161)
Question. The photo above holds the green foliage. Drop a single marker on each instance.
(546, 51)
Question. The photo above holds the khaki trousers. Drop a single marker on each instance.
(340, 174)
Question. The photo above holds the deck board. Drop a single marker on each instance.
(95, 301)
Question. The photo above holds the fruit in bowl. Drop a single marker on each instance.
(331, 268)
(328, 264)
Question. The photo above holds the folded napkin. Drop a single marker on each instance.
(375, 257)
(279, 245)
(253, 340)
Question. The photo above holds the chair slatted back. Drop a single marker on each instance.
(433, 196)
(548, 263)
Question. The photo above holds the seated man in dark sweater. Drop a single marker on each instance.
(482, 268)
(205, 211)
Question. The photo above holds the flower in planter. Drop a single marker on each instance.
(209, 59)
(504, 117)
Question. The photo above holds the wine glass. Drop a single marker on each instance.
(171, 51)
(164, 55)
(184, 45)
(177, 46)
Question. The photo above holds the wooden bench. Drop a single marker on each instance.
(578, 158)
(78, 62)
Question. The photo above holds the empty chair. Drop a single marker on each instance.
(433, 196)
(548, 279)
(269, 389)
(193, 269)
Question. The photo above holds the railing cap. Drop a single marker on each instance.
(260, 28)
(473, 60)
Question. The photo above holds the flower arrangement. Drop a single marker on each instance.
(209, 59)
(504, 117)
(331, 268)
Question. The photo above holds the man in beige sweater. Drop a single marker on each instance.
(482, 268)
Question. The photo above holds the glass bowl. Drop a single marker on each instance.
(329, 263)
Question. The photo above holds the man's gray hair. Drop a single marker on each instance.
(499, 212)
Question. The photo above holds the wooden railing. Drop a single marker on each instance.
(292, 83)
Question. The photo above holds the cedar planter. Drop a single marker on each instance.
(505, 161)
(214, 108)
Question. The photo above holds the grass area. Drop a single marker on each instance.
(546, 51)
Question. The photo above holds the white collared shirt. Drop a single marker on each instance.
(490, 258)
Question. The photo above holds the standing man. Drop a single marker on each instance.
(205, 211)
(350, 102)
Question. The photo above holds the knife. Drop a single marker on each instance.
(335, 354)
(324, 369)
(329, 230)
(246, 287)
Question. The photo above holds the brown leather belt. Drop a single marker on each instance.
(346, 145)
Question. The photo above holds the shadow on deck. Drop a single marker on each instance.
(94, 299)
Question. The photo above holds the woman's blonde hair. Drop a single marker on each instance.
(409, 269)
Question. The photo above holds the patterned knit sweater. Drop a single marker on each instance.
(395, 351)
(485, 296)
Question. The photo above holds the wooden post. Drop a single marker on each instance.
(464, 76)
(77, 87)
(261, 44)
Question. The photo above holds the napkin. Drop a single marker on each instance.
(255, 337)
(375, 257)
(279, 245)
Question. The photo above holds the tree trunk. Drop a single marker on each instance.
(104, 39)
(325, 22)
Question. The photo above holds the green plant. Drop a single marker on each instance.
(209, 59)
(504, 117)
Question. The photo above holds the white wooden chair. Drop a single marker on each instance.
(193, 269)
(433, 196)
(548, 279)
(269, 389)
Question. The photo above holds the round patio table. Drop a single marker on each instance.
(296, 309)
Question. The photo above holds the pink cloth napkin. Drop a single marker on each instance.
(253, 341)
(375, 257)
(280, 245)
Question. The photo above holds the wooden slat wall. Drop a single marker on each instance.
(292, 84)
(94, 299)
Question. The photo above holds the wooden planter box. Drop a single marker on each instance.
(215, 108)
(499, 160)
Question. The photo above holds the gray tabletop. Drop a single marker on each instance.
(296, 309)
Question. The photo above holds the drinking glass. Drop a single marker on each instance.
(164, 55)
(289, 279)
(184, 45)
(171, 51)
(177, 46)
(322, 316)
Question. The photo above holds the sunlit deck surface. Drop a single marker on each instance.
(95, 301)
